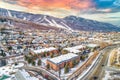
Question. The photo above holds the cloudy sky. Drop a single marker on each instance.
(101, 10)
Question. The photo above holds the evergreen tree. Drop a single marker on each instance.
(39, 62)
(3, 54)
(29, 60)
(51, 55)
(66, 69)
(33, 63)
(26, 57)
(82, 57)
(74, 63)
(9, 48)
(44, 54)
(48, 66)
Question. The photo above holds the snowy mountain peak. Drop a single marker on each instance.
(69, 23)
(55, 22)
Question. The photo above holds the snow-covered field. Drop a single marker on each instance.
(109, 75)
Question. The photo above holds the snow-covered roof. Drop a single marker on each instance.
(19, 65)
(78, 47)
(63, 58)
(74, 49)
(44, 50)
(92, 45)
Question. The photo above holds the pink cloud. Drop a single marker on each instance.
(67, 4)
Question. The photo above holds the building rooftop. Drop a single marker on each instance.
(63, 58)
(92, 45)
(44, 50)
(74, 49)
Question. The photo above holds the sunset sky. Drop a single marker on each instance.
(101, 10)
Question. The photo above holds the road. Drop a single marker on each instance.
(42, 71)
(97, 71)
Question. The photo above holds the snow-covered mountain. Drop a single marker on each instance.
(86, 24)
(36, 18)
(67, 23)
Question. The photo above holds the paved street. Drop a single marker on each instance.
(42, 71)
(97, 71)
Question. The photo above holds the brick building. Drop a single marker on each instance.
(59, 62)
(47, 51)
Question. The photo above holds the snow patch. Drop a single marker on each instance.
(57, 25)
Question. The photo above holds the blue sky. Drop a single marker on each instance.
(104, 10)
(103, 3)
(114, 5)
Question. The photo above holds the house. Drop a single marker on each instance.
(93, 46)
(48, 51)
(75, 49)
(59, 62)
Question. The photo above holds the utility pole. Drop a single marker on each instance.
(59, 71)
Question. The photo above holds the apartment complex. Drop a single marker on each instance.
(59, 62)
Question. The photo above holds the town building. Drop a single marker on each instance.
(75, 49)
(93, 46)
(47, 51)
(59, 62)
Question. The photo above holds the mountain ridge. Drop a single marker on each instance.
(67, 23)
